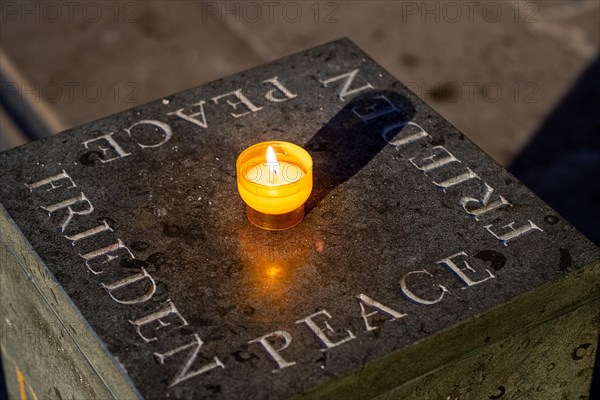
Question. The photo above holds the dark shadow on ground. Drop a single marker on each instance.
(562, 163)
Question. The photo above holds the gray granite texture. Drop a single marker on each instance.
(378, 225)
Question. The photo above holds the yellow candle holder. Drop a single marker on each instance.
(277, 202)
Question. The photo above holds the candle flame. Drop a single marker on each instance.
(272, 160)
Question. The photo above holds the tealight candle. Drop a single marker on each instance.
(274, 179)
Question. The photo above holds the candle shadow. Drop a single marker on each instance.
(353, 137)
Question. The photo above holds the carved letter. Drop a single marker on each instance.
(287, 95)
(128, 281)
(105, 251)
(366, 300)
(345, 91)
(157, 317)
(90, 232)
(460, 272)
(185, 373)
(50, 181)
(190, 117)
(273, 352)
(486, 206)
(406, 136)
(409, 293)
(321, 334)
(378, 109)
(456, 180)
(160, 125)
(67, 204)
(432, 163)
(113, 145)
(513, 233)
(242, 100)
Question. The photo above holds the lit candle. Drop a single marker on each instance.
(274, 180)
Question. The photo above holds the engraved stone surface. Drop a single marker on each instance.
(416, 248)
